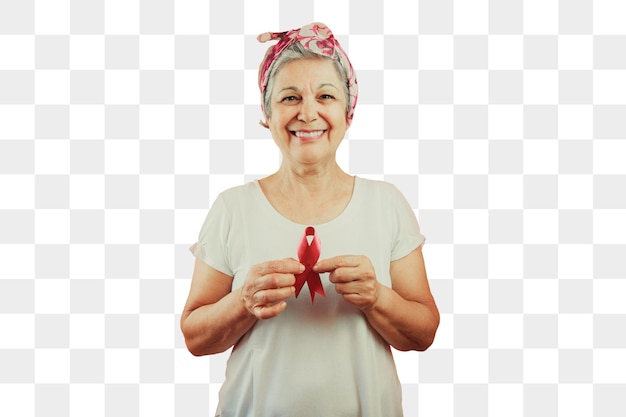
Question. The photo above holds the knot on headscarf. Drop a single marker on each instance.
(317, 38)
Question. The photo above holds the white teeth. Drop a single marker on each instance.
(308, 134)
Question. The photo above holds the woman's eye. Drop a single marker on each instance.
(289, 99)
(326, 97)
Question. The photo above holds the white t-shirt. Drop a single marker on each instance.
(318, 359)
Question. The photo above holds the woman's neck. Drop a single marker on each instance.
(327, 192)
(312, 181)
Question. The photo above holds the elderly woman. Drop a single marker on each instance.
(356, 244)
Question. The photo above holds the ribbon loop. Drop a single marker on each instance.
(308, 254)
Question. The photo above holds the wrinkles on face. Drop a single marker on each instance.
(308, 108)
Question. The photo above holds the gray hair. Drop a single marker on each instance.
(292, 53)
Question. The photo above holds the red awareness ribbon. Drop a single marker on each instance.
(308, 254)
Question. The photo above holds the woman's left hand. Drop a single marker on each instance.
(354, 278)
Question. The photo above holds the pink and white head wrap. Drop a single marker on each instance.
(317, 38)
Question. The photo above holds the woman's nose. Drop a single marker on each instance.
(308, 110)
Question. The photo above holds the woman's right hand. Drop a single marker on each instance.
(268, 285)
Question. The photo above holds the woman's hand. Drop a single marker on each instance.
(354, 278)
(268, 285)
(405, 314)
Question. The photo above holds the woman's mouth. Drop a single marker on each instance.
(307, 135)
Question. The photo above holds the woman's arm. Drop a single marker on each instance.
(405, 315)
(215, 317)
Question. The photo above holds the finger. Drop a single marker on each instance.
(270, 297)
(273, 281)
(268, 312)
(330, 264)
(362, 287)
(345, 275)
(358, 300)
(343, 289)
(284, 266)
(351, 274)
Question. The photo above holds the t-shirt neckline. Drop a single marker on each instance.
(344, 212)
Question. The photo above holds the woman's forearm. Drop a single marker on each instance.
(216, 327)
(216, 317)
(405, 325)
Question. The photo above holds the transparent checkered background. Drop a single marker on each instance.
(503, 122)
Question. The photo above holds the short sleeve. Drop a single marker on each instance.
(212, 244)
(407, 235)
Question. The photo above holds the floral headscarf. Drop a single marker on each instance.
(317, 38)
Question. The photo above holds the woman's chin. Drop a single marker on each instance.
(311, 150)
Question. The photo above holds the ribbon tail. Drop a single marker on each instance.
(315, 286)
(300, 280)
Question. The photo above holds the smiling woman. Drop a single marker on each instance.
(312, 41)
(308, 108)
(330, 356)
(298, 52)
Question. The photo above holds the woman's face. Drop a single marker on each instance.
(308, 117)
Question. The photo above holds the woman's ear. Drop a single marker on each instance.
(264, 124)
